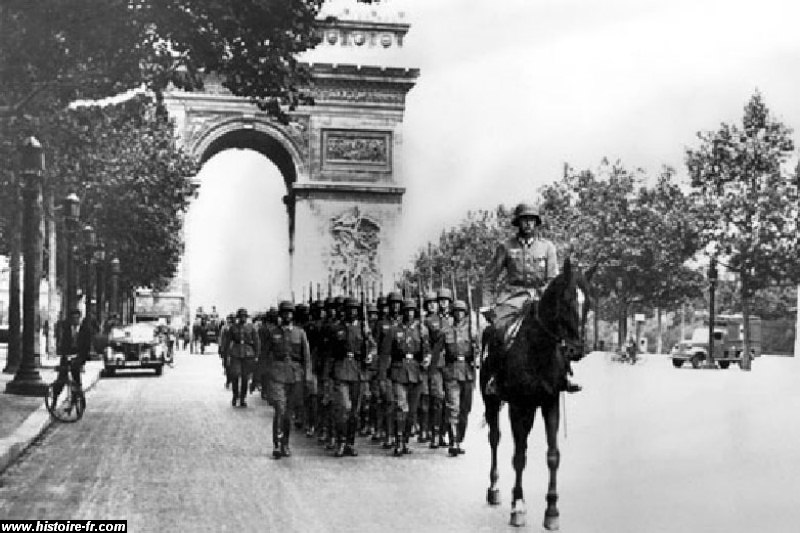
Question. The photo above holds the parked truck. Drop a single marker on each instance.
(728, 342)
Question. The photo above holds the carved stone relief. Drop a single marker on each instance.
(354, 251)
(356, 149)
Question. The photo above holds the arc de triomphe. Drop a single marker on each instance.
(340, 158)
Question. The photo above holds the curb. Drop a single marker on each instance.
(31, 428)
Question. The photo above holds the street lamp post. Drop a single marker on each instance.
(71, 214)
(113, 307)
(89, 243)
(27, 380)
(100, 265)
(712, 279)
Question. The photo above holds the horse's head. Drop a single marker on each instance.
(564, 306)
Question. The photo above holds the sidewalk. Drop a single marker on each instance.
(24, 418)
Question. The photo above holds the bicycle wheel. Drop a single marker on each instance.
(70, 403)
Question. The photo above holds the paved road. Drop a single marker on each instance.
(171, 451)
(649, 449)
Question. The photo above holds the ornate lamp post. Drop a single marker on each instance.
(115, 272)
(27, 380)
(89, 243)
(100, 265)
(712, 279)
(72, 210)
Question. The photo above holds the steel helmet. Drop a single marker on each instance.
(460, 305)
(526, 210)
(409, 303)
(444, 294)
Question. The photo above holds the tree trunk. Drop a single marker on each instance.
(746, 360)
(659, 343)
(14, 354)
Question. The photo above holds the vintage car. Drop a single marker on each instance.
(134, 346)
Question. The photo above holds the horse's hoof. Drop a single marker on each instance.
(517, 518)
(550, 523)
(493, 496)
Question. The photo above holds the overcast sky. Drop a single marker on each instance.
(511, 90)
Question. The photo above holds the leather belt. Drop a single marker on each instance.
(461, 358)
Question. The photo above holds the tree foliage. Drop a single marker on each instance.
(63, 51)
(608, 218)
(748, 197)
(132, 180)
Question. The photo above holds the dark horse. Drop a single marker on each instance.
(530, 373)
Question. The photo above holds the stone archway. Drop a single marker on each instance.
(340, 158)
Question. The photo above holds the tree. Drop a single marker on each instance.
(133, 181)
(53, 53)
(748, 201)
(639, 237)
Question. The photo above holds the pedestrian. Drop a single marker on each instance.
(459, 375)
(529, 262)
(289, 362)
(410, 352)
(243, 346)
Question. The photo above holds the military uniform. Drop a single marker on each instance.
(529, 263)
(243, 345)
(459, 377)
(410, 352)
(384, 336)
(289, 361)
(313, 331)
(350, 351)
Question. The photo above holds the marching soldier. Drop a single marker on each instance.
(435, 323)
(289, 362)
(529, 262)
(410, 352)
(222, 347)
(328, 435)
(314, 334)
(459, 375)
(384, 336)
(370, 385)
(242, 348)
(350, 355)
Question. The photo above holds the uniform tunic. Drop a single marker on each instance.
(459, 373)
(410, 347)
(289, 361)
(243, 345)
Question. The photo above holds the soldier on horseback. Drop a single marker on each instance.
(529, 262)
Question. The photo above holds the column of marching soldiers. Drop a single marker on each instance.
(342, 367)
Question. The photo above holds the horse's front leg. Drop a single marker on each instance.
(493, 420)
(521, 423)
(551, 416)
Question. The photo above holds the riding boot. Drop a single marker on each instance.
(235, 387)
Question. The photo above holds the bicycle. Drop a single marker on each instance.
(70, 403)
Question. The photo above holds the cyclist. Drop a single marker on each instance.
(74, 340)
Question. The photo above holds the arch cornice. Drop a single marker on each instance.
(293, 138)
